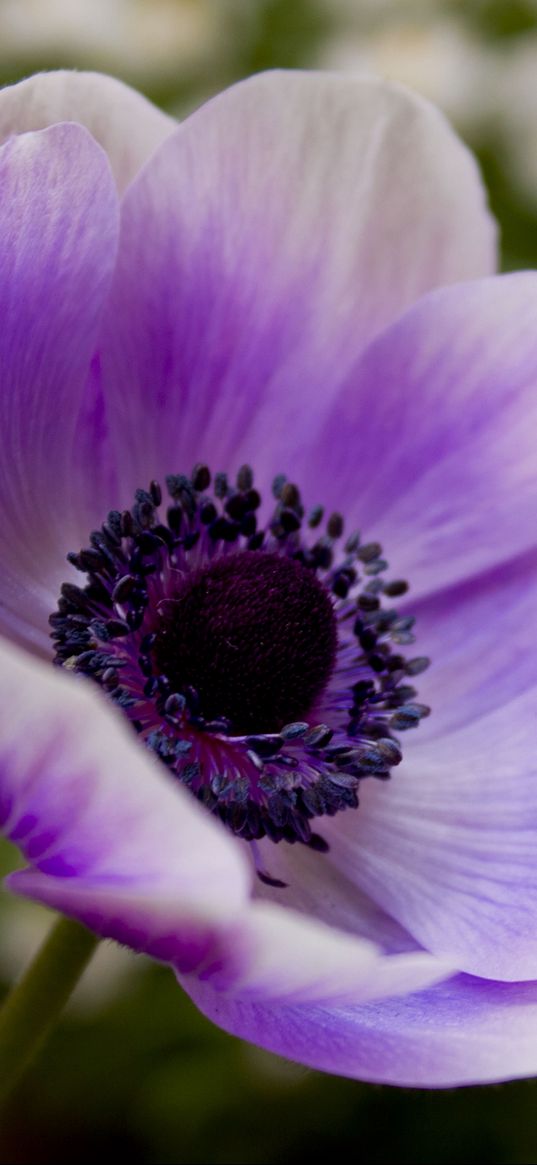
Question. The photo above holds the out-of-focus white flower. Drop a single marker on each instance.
(488, 89)
(512, 89)
(131, 36)
(439, 57)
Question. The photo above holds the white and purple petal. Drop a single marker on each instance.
(267, 241)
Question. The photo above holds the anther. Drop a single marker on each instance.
(369, 551)
(220, 485)
(201, 477)
(290, 495)
(278, 484)
(397, 587)
(315, 517)
(245, 478)
(334, 526)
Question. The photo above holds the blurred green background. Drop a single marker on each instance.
(133, 1069)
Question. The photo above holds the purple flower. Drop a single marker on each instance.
(264, 293)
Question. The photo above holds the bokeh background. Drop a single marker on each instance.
(133, 1070)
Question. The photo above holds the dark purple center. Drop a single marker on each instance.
(258, 661)
(254, 634)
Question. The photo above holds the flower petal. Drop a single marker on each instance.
(432, 443)
(127, 126)
(272, 236)
(313, 886)
(58, 235)
(116, 843)
(275, 953)
(110, 837)
(463, 1031)
(448, 847)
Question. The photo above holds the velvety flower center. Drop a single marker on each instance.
(261, 663)
(254, 634)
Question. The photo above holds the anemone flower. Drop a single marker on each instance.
(239, 357)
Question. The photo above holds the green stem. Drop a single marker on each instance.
(33, 1006)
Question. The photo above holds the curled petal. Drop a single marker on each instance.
(266, 953)
(116, 843)
(276, 954)
(110, 837)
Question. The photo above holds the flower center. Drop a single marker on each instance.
(254, 634)
(261, 664)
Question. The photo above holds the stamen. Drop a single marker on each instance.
(257, 664)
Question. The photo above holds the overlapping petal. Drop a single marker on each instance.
(432, 442)
(272, 236)
(477, 633)
(58, 234)
(449, 847)
(127, 126)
